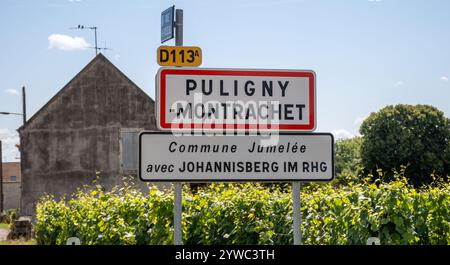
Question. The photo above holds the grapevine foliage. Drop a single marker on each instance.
(396, 212)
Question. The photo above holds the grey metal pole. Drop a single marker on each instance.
(24, 106)
(296, 212)
(177, 234)
(96, 49)
(95, 33)
(178, 186)
(1, 180)
(179, 27)
(24, 116)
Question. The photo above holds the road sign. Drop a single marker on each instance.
(235, 99)
(179, 56)
(167, 24)
(164, 156)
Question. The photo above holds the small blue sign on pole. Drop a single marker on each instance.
(167, 24)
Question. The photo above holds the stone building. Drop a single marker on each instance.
(89, 126)
(11, 185)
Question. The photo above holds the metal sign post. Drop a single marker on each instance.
(178, 186)
(179, 27)
(297, 213)
(177, 213)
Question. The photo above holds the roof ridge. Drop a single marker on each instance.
(99, 56)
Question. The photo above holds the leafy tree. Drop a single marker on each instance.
(348, 160)
(347, 155)
(413, 135)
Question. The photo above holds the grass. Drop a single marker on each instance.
(4, 226)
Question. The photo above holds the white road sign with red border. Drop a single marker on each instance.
(235, 99)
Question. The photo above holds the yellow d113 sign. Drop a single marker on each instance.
(179, 56)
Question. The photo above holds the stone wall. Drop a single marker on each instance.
(11, 187)
(11, 195)
(77, 133)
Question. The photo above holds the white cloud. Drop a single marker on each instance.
(72, 1)
(444, 78)
(66, 43)
(9, 139)
(375, 0)
(399, 83)
(11, 92)
(342, 134)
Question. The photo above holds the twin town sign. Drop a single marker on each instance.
(283, 157)
(240, 99)
(263, 109)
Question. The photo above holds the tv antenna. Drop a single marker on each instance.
(81, 27)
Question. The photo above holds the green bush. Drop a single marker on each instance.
(9, 216)
(395, 212)
(417, 136)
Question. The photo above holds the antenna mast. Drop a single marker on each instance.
(95, 35)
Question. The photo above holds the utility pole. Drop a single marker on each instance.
(24, 116)
(178, 186)
(24, 106)
(1, 180)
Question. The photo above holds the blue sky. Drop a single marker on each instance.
(366, 53)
